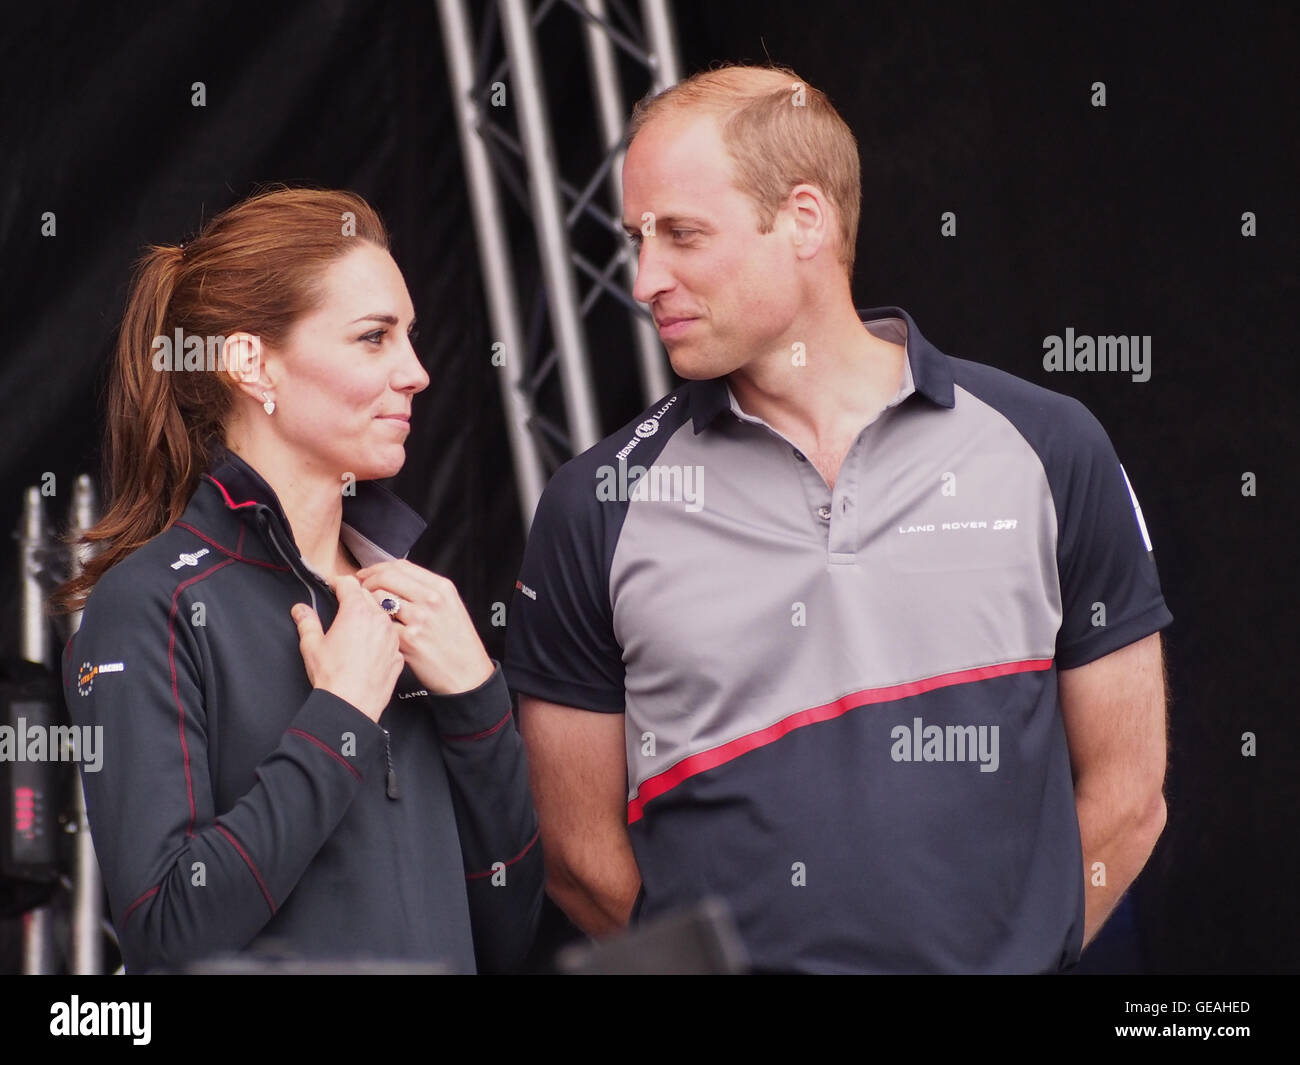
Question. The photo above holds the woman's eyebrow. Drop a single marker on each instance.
(385, 319)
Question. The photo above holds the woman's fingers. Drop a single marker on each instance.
(360, 658)
(408, 581)
(438, 639)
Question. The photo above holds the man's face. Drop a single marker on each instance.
(722, 294)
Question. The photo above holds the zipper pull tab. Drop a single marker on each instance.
(392, 790)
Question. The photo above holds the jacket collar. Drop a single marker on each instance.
(931, 374)
(376, 524)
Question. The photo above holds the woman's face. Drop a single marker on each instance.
(345, 378)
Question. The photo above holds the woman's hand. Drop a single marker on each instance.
(435, 633)
(359, 659)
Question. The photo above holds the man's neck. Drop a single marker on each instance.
(822, 395)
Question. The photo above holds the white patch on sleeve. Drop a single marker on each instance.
(1137, 508)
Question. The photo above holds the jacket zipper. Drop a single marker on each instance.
(264, 523)
(391, 787)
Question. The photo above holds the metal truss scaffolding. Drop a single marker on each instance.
(496, 77)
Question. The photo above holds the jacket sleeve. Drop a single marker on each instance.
(485, 760)
(184, 880)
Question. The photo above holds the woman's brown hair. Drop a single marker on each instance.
(257, 268)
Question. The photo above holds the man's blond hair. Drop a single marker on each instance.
(780, 132)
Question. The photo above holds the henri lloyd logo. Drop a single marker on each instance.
(646, 429)
(187, 559)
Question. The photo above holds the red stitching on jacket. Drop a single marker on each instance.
(327, 749)
(131, 909)
(527, 848)
(480, 735)
(248, 861)
(230, 502)
(176, 694)
(226, 551)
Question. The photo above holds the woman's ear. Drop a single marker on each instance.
(244, 361)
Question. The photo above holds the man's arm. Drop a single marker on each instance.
(578, 766)
(1115, 723)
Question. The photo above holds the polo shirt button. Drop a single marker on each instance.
(824, 513)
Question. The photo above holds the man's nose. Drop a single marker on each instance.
(652, 275)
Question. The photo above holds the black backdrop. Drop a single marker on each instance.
(1125, 219)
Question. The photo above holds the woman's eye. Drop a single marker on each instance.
(375, 337)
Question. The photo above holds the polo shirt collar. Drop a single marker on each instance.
(927, 367)
(376, 524)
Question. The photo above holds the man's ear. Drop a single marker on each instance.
(810, 218)
(246, 363)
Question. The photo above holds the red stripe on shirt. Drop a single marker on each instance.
(688, 767)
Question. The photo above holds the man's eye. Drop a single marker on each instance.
(682, 234)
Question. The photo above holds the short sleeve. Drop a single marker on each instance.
(1110, 590)
(560, 642)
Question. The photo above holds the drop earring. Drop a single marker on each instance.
(268, 405)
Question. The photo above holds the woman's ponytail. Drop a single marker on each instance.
(148, 455)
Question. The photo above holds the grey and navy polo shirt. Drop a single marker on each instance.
(841, 705)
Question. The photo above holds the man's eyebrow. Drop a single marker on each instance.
(669, 221)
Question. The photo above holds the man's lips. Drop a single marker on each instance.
(671, 326)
